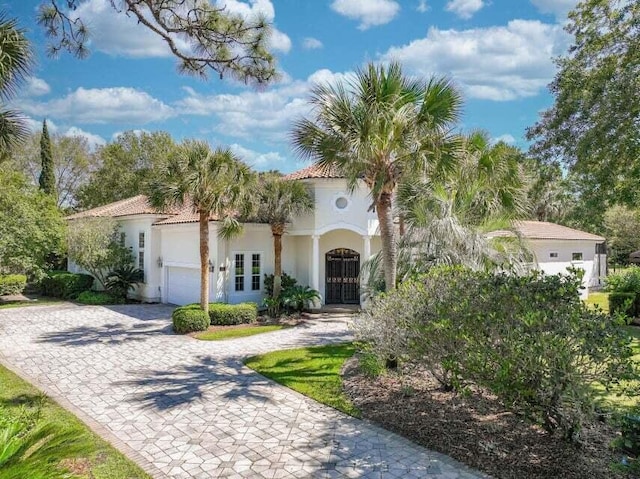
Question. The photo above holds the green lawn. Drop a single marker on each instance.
(36, 302)
(613, 398)
(98, 459)
(600, 299)
(221, 334)
(314, 372)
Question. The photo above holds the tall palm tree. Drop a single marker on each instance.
(16, 60)
(449, 212)
(281, 200)
(215, 184)
(380, 127)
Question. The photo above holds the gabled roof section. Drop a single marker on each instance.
(137, 205)
(543, 230)
(187, 215)
(315, 171)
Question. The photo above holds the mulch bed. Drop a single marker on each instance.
(476, 430)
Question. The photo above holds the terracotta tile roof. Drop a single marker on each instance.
(546, 230)
(187, 215)
(137, 205)
(315, 171)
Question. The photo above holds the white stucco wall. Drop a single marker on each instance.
(327, 216)
(542, 250)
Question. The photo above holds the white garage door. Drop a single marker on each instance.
(183, 285)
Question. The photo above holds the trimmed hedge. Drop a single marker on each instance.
(97, 298)
(12, 284)
(626, 303)
(190, 318)
(223, 314)
(65, 285)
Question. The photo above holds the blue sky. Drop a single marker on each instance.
(498, 52)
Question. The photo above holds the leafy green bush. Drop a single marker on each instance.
(223, 314)
(624, 292)
(287, 282)
(12, 283)
(65, 285)
(527, 339)
(97, 298)
(190, 318)
(623, 303)
(122, 280)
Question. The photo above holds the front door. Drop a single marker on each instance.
(342, 271)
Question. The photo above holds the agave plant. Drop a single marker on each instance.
(122, 280)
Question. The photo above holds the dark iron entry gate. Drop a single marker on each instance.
(342, 271)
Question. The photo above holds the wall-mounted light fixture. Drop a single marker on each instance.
(212, 267)
(159, 261)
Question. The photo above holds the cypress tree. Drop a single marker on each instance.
(47, 176)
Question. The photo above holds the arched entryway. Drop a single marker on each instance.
(342, 272)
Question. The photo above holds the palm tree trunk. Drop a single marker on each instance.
(277, 255)
(388, 237)
(204, 260)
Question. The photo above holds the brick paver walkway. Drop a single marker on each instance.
(184, 408)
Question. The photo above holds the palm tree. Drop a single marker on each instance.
(449, 212)
(281, 200)
(379, 128)
(16, 60)
(215, 184)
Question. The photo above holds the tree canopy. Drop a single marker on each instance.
(47, 178)
(593, 126)
(126, 167)
(31, 226)
(204, 37)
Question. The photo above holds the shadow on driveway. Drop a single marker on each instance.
(225, 378)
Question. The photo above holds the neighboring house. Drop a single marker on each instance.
(324, 249)
(556, 248)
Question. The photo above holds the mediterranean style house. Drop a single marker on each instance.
(324, 249)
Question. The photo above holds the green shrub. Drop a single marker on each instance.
(627, 281)
(65, 285)
(12, 284)
(190, 318)
(123, 279)
(527, 339)
(223, 314)
(287, 282)
(624, 303)
(97, 298)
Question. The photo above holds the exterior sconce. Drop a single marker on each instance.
(159, 261)
(212, 267)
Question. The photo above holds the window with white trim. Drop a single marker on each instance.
(141, 253)
(553, 255)
(576, 256)
(247, 272)
(239, 272)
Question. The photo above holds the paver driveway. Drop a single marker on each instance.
(187, 408)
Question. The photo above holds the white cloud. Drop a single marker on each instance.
(507, 138)
(92, 139)
(35, 87)
(264, 115)
(310, 43)
(464, 8)
(422, 6)
(36, 125)
(115, 33)
(369, 13)
(559, 8)
(103, 105)
(494, 63)
(279, 41)
(259, 161)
